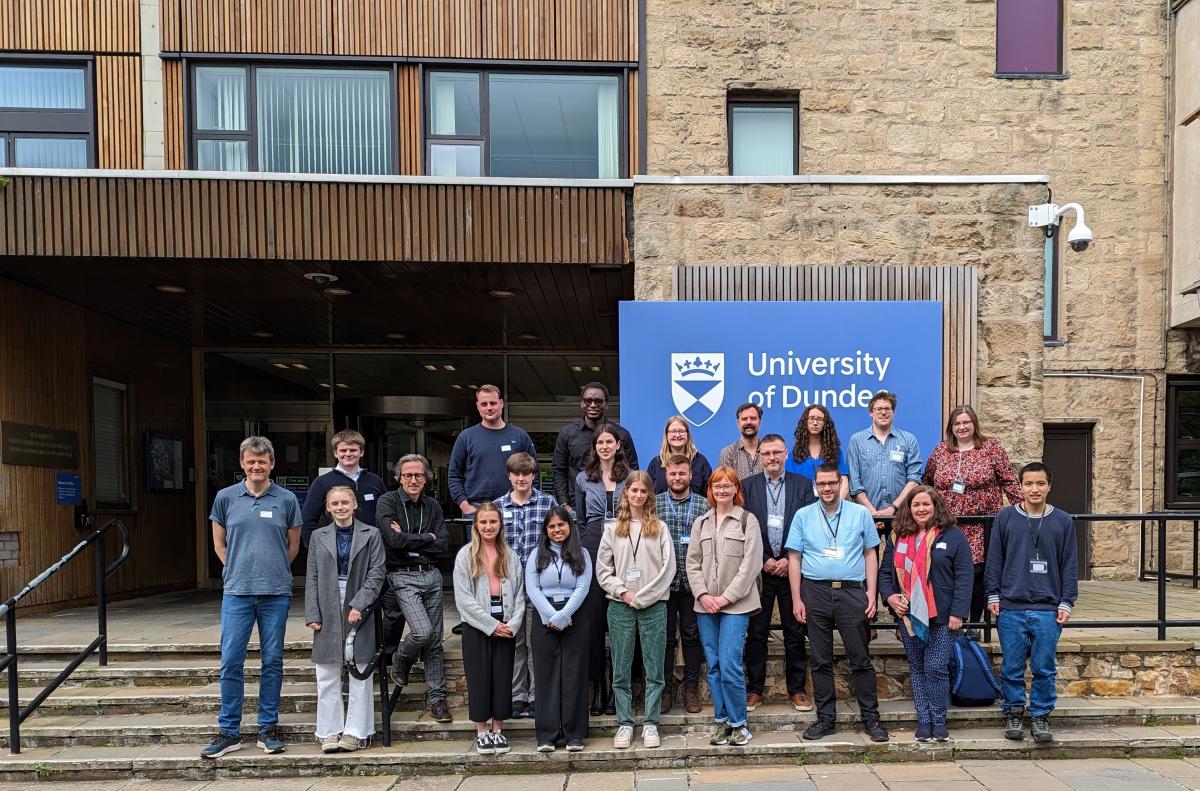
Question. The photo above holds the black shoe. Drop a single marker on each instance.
(1040, 728)
(529, 712)
(597, 698)
(222, 745)
(876, 731)
(923, 733)
(400, 670)
(610, 707)
(499, 743)
(518, 709)
(1014, 725)
(940, 733)
(819, 730)
(440, 711)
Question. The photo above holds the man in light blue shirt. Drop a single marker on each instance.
(832, 570)
(884, 461)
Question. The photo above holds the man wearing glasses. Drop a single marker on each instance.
(414, 534)
(884, 461)
(574, 442)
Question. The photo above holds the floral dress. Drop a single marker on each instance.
(987, 476)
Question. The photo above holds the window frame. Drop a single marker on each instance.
(1175, 384)
(485, 72)
(1052, 274)
(790, 101)
(117, 384)
(1060, 74)
(250, 135)
(73, 124)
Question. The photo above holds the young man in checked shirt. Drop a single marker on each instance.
(524, 509)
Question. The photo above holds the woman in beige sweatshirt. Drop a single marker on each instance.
(635, 566)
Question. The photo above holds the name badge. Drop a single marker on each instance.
(508, 514)
(506, 448)
(633, 574)
(414, 554)
(368, 497)
(897, 455)
(685, 540)
(1038, 567)
(902, 549)
(558, 599)
(940, 545)
(775, 522)
(833, 553)
(265, 514)
(497, 610)
(958, 487)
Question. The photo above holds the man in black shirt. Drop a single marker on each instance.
(574, 442)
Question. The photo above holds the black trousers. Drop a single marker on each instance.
(595, 607)
(681, 616)
(488, 666)
(393, 621)
(795, 659)
(978, 594)
(560, 669)
(845, 610)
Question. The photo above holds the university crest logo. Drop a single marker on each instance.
(698, 385)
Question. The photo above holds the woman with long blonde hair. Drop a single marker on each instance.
(677, 441)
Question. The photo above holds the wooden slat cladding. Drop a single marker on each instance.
(69, 25)
(955, 287)
(202, 218)
(586, 30)
(118, 112)
(408, 88)
(174, 135)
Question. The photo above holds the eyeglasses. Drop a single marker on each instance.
(826, 484)
(596, 401)
(412, 476)
(772, 453)
(727, 487)
(883, 410)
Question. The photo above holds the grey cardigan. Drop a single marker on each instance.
(474, 601)
(321, 597)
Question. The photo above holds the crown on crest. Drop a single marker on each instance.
(697, 366)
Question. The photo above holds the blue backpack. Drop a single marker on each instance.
(972, 681)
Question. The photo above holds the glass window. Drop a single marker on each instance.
(228, 155)
(50, 152)
(110, 437)
(454, 104)
(455, 159)
(221, 98)
(42, 88)
(763, 137)
(3, 151)
(45, 115)
(1183, 442)
(1029, 36)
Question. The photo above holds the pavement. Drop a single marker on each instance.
(1100, 774)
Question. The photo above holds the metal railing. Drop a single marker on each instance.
(16, 714)
(377, 663)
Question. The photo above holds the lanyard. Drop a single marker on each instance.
(774, 491)
(420, 519)
(832, 527)
(634, 545)
(1035, 533)
(558, 566)
(680, 514)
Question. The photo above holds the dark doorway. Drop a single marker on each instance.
(1068, 454)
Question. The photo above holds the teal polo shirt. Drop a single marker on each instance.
(256, 537)
(849, 532)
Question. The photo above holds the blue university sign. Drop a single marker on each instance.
(703, 359)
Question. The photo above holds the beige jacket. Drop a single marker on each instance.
(655, 565)
(725, 560)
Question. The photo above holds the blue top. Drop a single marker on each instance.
(808, 467)
(849, 533)
(345, 539)
(1009, 576)
(557, 583)
(256, 539)
(523, 523)
(883, 469)
(477, 471)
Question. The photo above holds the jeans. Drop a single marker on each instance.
(239, 614)
(1028, 635)
(625, 625)
(724, 638)
(929, 673)
(681, 617)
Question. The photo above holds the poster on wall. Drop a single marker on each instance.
(164, 463)
(704, 359)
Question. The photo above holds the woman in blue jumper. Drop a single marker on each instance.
(925, 578)
(557, 578)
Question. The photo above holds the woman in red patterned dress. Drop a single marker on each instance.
(972, 474)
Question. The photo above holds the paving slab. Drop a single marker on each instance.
(549, 782)
(1101, 775)
(601, 781)
(431, 783)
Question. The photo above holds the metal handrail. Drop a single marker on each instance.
(17, 715)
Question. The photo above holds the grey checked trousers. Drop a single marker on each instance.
(419, 594)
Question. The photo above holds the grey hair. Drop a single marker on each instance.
(258, 445)
(410, 458)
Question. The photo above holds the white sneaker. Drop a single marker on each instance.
(624, 737)
(650, 736)
(330, 743)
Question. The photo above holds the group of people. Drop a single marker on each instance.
(679, 550)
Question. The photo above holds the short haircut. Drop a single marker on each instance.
(679, 458)
(594, 386)
(409, 458)
(487, 389)
(520, 463)
(348, 436)
(258, 446)
(748, 405)
(1035, 466)
(882, 395)
(826, 467)
(773, 438)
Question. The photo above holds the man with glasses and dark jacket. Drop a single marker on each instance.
(574, 442)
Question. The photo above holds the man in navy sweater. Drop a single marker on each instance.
(368, 487)
(1032, 583)
(477, 461)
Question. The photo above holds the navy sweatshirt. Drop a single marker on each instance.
(477, 470)
(367, 490)
(951, 574)
(1008, 578)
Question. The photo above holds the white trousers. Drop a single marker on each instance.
(357, 719)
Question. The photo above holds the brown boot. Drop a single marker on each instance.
(691, 700)
(667, 703)
(753, 701)
(800, 701)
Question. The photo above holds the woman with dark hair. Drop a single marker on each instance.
(557, 578)
(677, 441)
(597, 491)
(972, 473)
(925, 578)
(817, 443)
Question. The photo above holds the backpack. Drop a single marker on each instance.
(972, 680)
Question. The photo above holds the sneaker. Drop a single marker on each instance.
(440, 711)
(924, 732)
(349, 743)
(483, 743)
(400, 670)
(819, 730)
(1040, 728)
(876, 731)
(518, 709)
(330, 744)
(624, 737)
(740, 737)
(222, 745)
(499, 743)
(1014, 725)
(545, 747)
(575, 746)
(721, 735)
(650, 736)
(691, 700)
(270, 743)
(753, 701)
(529, 712)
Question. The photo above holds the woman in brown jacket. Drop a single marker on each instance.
(723, 562)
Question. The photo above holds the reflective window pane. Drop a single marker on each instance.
(3, 151)
(221, 98)
(453, 103)
(324, 121)
(1028, 37)
(554, 125)
(1187, 415)
(50, 152)
(452, 159)
(42, 88)
(1187, 474)
(231, 155)
(764, 140)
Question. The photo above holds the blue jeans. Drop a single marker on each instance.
(239, 614)
(1028, 635)
(724, 639)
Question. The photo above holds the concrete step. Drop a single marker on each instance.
(176, 762)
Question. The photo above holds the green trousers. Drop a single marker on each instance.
(625, 625)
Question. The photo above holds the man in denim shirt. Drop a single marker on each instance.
(884, 461)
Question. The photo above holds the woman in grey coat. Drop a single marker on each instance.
(345, 575)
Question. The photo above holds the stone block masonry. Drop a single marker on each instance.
(10, 550)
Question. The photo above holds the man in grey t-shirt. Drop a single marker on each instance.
(256, 534)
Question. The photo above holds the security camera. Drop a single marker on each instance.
(1049, 215)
